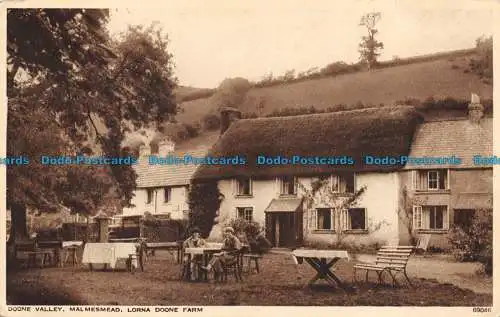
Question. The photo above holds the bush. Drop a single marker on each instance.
(252, 232)
(475, 243)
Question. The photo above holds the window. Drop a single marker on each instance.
(342, 183)
(167, 194)
(430, 180)
(430, 217)
(150, 194)
(324, 219)
(244, 187)
(354, 219)
(288, 185)
(245, 213)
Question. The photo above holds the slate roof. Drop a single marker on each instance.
(284, 205)
(461, 138)
(167, 175)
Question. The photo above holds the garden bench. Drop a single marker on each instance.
(390, 259)
(45, 255)
(151, 247)
(252, 257)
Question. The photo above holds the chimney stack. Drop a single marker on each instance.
(144, 150)
(166, 147)
(227, 116)
(476, 109)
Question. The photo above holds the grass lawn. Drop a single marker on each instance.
(280, 282)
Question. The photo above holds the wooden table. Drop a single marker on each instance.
(322, 261)
(207, 252)
(108, 254)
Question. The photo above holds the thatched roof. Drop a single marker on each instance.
(372, 131)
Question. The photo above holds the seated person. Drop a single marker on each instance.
(260, 244)
(194, 241)
(230, 244)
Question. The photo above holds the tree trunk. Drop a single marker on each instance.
(18, 229)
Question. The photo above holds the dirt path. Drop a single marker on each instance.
(445, 270)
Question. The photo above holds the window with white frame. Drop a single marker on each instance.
(430, 179)
(245, 213)
(354, 219)
(288, 185)
(244, 186)
(149, 195)
(342, 183)
(167, 194)
(325, 219)
(430, 217)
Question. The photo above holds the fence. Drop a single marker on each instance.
(87, 232)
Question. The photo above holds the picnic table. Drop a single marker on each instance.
(322, 261)
(206, 251)
(109, 254)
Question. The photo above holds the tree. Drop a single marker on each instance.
(231, 93)
(73, 90)
(369, 48)
(204, 202)
(483, 64)
(320, 193)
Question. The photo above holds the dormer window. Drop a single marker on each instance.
(244, 187)
(288, 186)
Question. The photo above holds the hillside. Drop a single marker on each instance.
(440, 78)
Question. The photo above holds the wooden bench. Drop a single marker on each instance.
(45, 255)
(390, 259)
(252, 257)
(151, 247)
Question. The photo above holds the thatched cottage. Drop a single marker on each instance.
(271, 195)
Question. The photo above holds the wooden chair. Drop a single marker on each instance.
(423, 243)
(234, 266)
(390, 259)
(138, 256)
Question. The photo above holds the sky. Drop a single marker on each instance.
(218, 39)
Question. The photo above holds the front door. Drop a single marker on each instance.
(282, 229)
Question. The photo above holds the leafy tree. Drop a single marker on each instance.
(231, 92)
(73, 90)
(369, 48)
(204, 202)
(483, 64)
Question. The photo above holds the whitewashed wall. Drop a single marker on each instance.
(178, 202)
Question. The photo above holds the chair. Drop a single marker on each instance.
(233, 266)
(423, 243)
(253, 256)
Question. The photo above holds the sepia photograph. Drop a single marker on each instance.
(178, 156)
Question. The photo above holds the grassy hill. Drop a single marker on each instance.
(445, 76)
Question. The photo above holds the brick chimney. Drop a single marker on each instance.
(166, 147)
(227, 116)
(144, 150)
(476, 109)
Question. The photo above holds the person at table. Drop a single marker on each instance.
(230, 244)
(194, 241)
